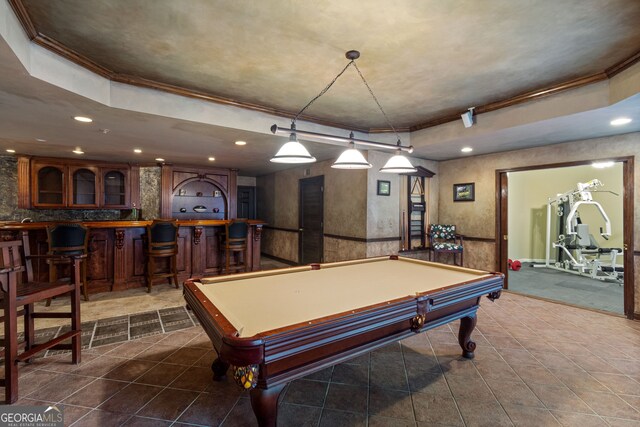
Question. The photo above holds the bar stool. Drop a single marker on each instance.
(67, 239)
(234, 241)
(17, 297)
(162, 242)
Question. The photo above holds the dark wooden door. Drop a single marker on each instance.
(502, 225)
(246, 202)
(311, 219)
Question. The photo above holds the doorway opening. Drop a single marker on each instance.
(565, 233)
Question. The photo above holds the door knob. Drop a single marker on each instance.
(301, 229)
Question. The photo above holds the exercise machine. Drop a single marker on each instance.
(577, 250)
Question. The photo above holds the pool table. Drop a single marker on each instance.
(275, 326)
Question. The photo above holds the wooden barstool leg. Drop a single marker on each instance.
(10, 344)
(174, 269)
(76, 341)
(85, 290)
(150, 270)
(29, 334)
(53, 276)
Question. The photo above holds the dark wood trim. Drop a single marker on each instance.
(24, 182)
(565, 164)
(422, 172)
(282, 260)
(628, 238)
(289, 230)
(24, 18)
(479, 239)
(518, 99)
(628, 219)
(636, 253)
(134, 176)
(166, 180)
(502, 226)
(363, 239)
(622, 65)
(72, 55)
(57, 47)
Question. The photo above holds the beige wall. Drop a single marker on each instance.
(478, 218)
(528, 195)
(352, 209)
(345, 207)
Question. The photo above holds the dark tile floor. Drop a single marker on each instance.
(569, 288)
(537, 363)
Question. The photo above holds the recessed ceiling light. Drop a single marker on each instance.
(620, 121)
(137, 150)
(159, 159)
(78, 150)
(466, 149)
(41, 140)
(211, 159)
(83, 119)
(602, 165)
(9, 150)
(241, 143)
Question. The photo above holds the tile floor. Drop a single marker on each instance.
(537, 363)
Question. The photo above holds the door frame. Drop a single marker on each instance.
(627, 214)
(319, 178)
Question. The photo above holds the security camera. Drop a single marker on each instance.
(467, 118)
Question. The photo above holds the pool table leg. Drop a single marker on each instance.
(467, 324)
(265, 404)
(219, 369)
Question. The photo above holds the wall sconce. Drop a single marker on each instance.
(294, 152)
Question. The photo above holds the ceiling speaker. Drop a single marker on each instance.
(467, 118)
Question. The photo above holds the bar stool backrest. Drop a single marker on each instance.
(67, 239)
(162, 236)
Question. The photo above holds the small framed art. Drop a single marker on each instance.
(464, 192)
(384, 188)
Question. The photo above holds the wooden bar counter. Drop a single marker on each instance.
(116, 250)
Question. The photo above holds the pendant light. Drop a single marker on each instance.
(293, 151)
(398, 164)
(351, 158)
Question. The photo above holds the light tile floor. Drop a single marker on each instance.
(537, 364)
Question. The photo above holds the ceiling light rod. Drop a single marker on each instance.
(275, 129)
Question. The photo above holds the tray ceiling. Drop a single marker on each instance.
(424, 60)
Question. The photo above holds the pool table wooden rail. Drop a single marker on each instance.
(296, 350)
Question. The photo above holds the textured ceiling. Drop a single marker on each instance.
(423, 59)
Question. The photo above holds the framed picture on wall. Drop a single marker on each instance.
(384, 188)
(464, 192)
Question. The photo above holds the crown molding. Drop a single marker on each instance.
(79, 59)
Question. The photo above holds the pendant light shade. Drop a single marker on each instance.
(398, 164)
(293, 152)
(351, 158)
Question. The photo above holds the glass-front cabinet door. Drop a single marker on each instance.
(50, 188)
(84, 186)
(115, 188)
